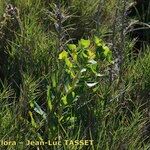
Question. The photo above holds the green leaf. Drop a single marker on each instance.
(98, 42)
(32, 120)
(49, 100)
(64, 100)
(108, 54)
(72, 119)
(91, 54)
(63, 55)
(93, 68)
(53, 78)
(31, 103)
(68, 63)
(84, 43)
(83, 70)
(106, 50)
(92, 61)
(84, 55)
(72, 47)
(74, 56)
(91, 84)
(99, 75)
(39, 111)
(71, 73)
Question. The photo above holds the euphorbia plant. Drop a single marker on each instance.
(82, 64)
(73, 85)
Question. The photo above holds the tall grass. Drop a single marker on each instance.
(51, 91)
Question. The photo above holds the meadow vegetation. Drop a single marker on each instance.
(68, 72)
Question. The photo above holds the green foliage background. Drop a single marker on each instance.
(58, 79)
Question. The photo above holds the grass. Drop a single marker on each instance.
(54, 91)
